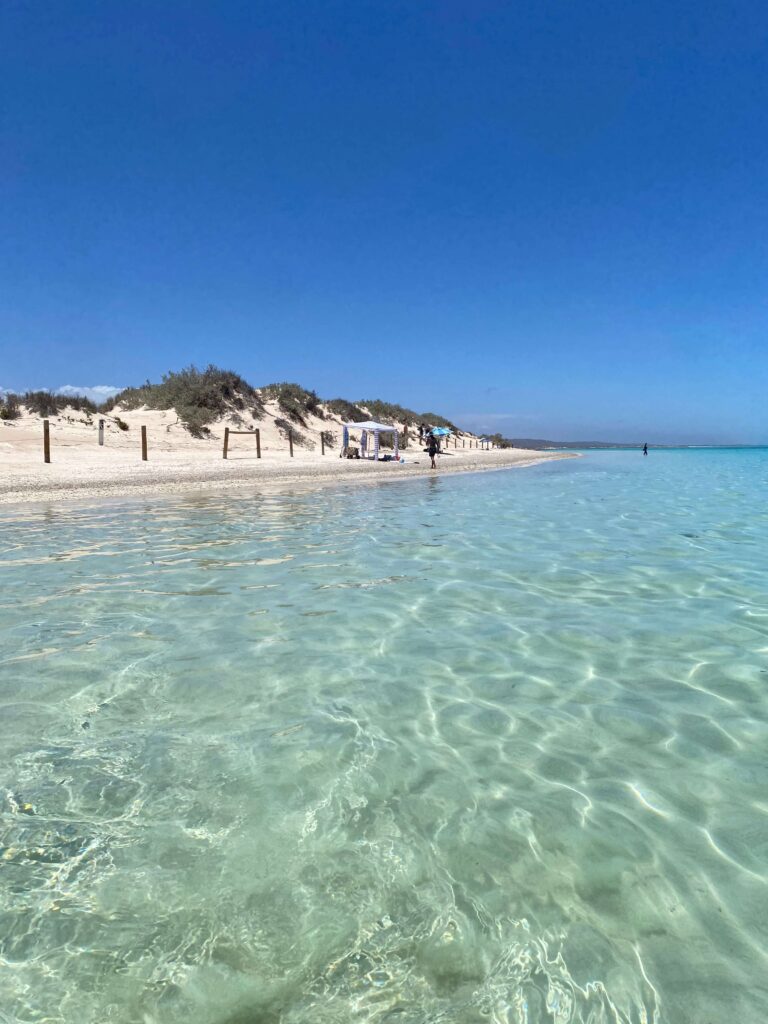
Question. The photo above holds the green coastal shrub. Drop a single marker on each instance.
(500, 441)
(348, 412)
(198, 396)
(295, 401)
(434, 420)
(10, 407)
(300, 440)
(388, 412)
(45, 403)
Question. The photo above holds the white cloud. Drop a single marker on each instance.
(97, 393)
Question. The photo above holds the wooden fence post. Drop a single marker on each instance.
(258, 444)
(322, 443)
(290, 441)
(46, 441)
(226, 442)
(101, 432)
(144, 444)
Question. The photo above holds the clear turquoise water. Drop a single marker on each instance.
(471, 749)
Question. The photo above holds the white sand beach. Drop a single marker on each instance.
(81, 468)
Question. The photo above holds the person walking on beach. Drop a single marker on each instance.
(432, 450)
(645, 448)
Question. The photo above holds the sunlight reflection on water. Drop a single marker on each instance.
(457, 750)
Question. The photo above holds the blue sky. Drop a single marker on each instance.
(545, 218)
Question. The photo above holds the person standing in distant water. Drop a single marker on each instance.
(432, 450)
(645, 448)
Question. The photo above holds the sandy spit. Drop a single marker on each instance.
(46, 483)
(81, 469)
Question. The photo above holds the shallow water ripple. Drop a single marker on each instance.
(466, 750)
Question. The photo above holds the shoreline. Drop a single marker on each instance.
(69, 482)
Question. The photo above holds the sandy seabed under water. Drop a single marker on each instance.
(467, 749)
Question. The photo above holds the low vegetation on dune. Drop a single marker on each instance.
(43, 403)
(389, 411)
(198, 396)
(347, 412)
(295, 401)
(299, 440)
(435, 420)
(10, 407)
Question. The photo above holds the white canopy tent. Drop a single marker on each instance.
(366, 428)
